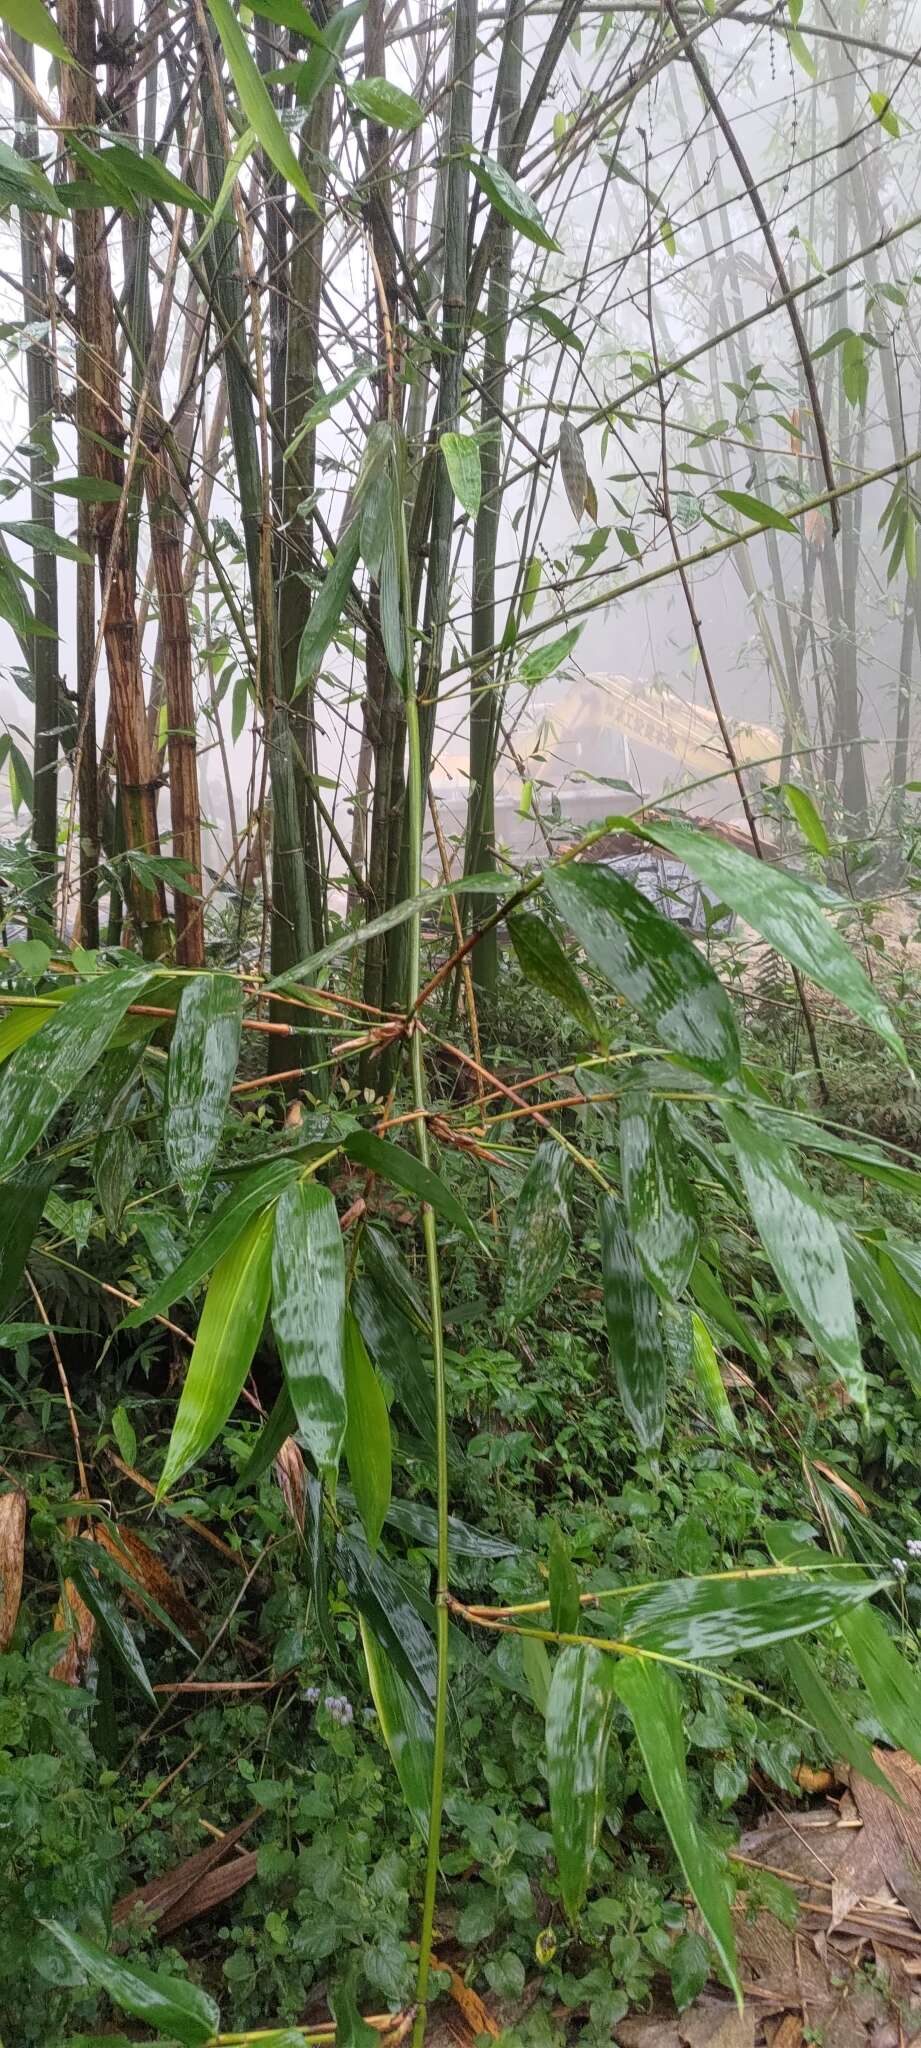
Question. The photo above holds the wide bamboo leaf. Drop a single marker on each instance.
(651, 962)
(578, 1726)
(757, 510)
(116, 1158)
(406, 1726)
(392, 1276)
(308, 1316)
(327, 607)
(22, 1200)
(393, 1343)
(543, 961)
(394, 1620)
(835, 1727)
(866, 1160)
(787, 913)
(379, 100)
(255, 1191)
(170, 2005)
(31, 20)
(367, 1434)
(721, 1615)
(202, 1063)
(802, 1244)
(893, 1684)
(229, 1330)
(144, 171)
(22, 1023)
(419, 1522)
(404, 1170)
(562, 1585)
(807, 817)
(661, 1210)
(511, 201)
(892, 1306)
(462, 461)
(39, 1077)
(541, 1231)
(709, 1291)
(634, 1341)
(120, 1639)
(256, 101)
(279, 1424)
(653, 1701)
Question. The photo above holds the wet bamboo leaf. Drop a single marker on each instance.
(22, 1023)
(721, 1615)
(393, 1343)
(38, 1078)
(489, 884)
(511, 201)
(652, 1699)
(802, 1244)
(634, 1341)
(892, 1683)
(170, 2005)
(367, 1434)
(202, 1063)
(255, 1191)
(256, 102)
(391, 1275)
(661, 1210)
(893, 1308)
(404, 1170)
(578, 1727)
(462, 461)
(651, 962)
(535, 1664)
(709, 1291)
(317, 1567)
(541, 1231)
(563, 1586)
(395, 1622)
(121, 1641)
(229, 1330)
(405, 1725)
(545, 660)
(419, 1522)
(115, 1170)
(787, 913)
(543, 962)
(308, 1312)
(867, 1160)
(22, 1200)
(835, 1727)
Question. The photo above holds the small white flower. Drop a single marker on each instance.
(899, 1566)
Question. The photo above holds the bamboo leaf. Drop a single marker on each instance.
(256, 102)
(543, 962)
(721, 1615)
(395, 1622)
(327, 607)
(835, 1727)
(462, 462)
(308, 1312)
(380, 101)
(31, 20)
(404, 1170)
(650, 962)
(661, 1210)
(541, 1230)
(242, 150)
(489, 884)
(511, 201)
(634, 1341)
(787, 913)
(578, 1727)
(757, 510)
(255, 1191)
(892, 1306)
(393, 1343)
(170, 2005)
(405, 1725)
(202, 1063)
(367, 1434)
(807, 817)
(544, 661)
(652, 1699)
(37, 1079)
(144, 171)
(573, 469)
(121, 1641)
(22, 1200)
(892, 1683)
(710, 1380)
(229, 1330)
(44, 539)
(802, 1244)
(562, 1586)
